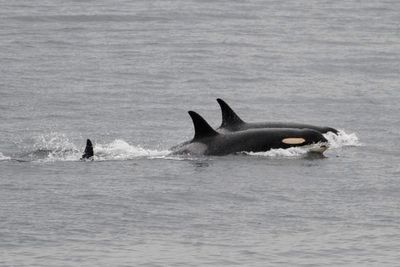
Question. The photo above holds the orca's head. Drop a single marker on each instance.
(315, 137)
(318, 143)
(308, 137)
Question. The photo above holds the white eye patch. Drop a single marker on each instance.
(293, 141)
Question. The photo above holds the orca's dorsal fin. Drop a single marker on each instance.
(201, 127)
(229, 117)
(88, 150)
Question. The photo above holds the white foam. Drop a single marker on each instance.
(54, 141)
(60, 148)
(280, 152)
(58, 145)
(342, 139)
(4, 158)
(121, 150)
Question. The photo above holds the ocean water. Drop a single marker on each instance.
(125, 73)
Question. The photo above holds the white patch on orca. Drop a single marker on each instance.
(293, 141)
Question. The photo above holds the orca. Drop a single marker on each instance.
(207, 141)
(88, 154)
(231, 122)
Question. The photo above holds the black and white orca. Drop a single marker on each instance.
(207, 141)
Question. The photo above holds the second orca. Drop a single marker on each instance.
(231, 122)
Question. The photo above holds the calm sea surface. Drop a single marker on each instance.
(125, 73)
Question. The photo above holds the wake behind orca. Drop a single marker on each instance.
(231, 122)
(207, 141)
(235, 136)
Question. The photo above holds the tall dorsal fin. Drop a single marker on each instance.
(201, 127)
(229, 117)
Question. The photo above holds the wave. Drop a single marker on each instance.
(58, 147)
(4, 158)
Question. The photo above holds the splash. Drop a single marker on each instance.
(342, 139)
(121, 150)
(53, 147)
(4, 158)
(58, 147)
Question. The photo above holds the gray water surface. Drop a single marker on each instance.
(125, 73)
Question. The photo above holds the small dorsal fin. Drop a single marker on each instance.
(229, 117)
(201, 127)
(88, 150)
